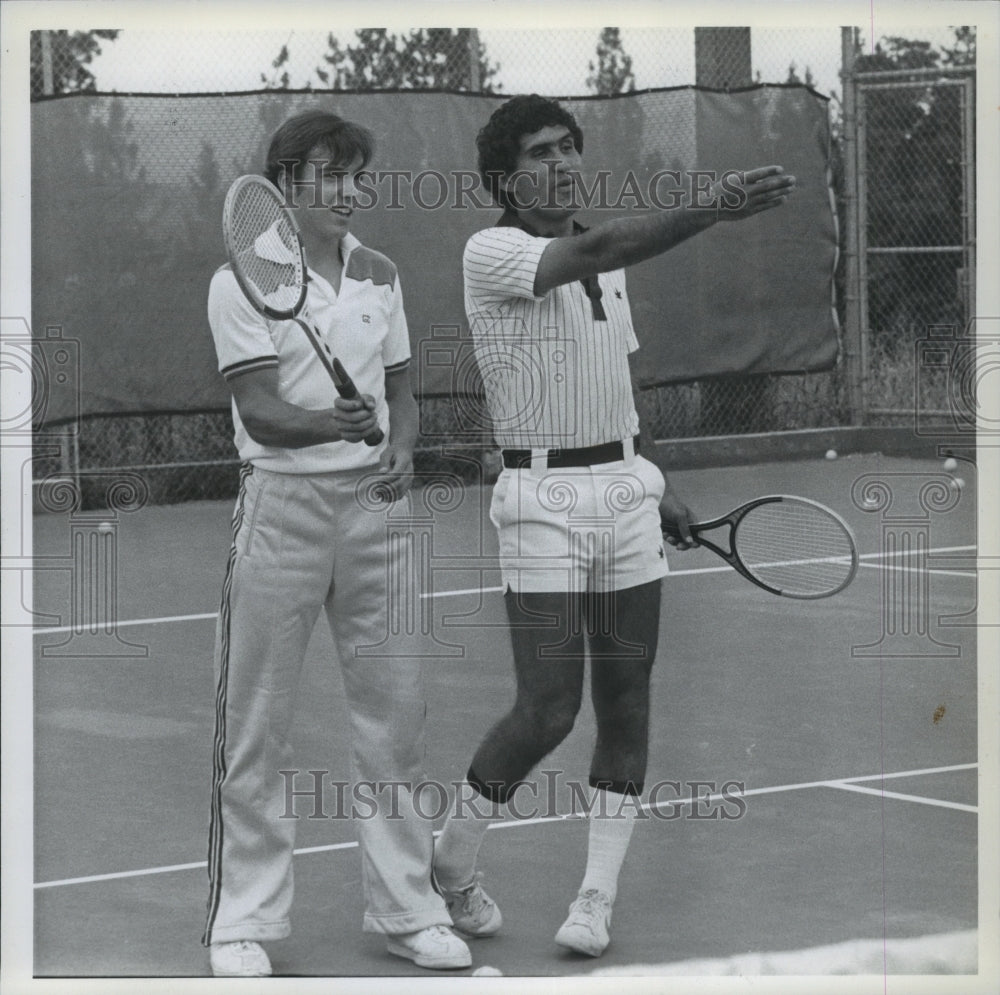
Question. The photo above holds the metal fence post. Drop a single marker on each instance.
(729, 404)
(475, 83)
(969, 196)
(48, 85)
(853, 346)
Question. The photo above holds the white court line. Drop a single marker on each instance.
(842, 782)
(483, 590)
(123, 874)
(915, 552)
(940, 573)
(725, 569)
(901, 797)
(466, 590)
(101, 626)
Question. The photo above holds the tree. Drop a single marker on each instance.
(64, 56)
(964, 51)
(274, 81)
(422, 59)
(613, 72)
(793, 76)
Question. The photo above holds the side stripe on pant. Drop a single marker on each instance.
(219, 744)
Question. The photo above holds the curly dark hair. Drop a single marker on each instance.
(299, 135)
(499, 141)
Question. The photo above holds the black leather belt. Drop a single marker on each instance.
(607, 452)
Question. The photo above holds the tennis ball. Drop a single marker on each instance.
(487, 972)
(105, 527)
(957, 482)
(831, 454)
(951, 464)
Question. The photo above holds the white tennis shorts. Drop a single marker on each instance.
(588, 528)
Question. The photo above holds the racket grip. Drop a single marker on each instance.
(669, 529)
(346, 388)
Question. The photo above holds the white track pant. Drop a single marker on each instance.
(301, 544)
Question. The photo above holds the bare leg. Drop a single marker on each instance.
(548, 645)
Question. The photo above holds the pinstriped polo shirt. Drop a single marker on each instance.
(554, 376)
(365, 327)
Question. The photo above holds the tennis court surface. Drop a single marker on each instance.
(815, 763)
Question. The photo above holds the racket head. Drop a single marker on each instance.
(264, 247)
(793, 547)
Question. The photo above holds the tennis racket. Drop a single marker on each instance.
(790, 546)
(269, 262)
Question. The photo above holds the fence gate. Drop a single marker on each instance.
(912, 254)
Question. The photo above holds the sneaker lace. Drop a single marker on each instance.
(472, 898)
(588, 906)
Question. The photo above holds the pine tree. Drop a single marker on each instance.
(793, 76)
(68, 55)
(422, 59)
(613, 72)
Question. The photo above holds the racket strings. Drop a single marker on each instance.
(262, 239)
(798, 549)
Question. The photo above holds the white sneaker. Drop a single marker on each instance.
(586, 928)
(472, 911)
(242, 959)
(435, 947)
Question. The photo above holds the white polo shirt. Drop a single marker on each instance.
(554, 376)
(365, 327)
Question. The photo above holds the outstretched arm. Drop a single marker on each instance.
(624, 241)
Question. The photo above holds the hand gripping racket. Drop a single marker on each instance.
(269, 262)
(789, 546)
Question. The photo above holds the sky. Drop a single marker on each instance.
(551, 60)
(214, 45)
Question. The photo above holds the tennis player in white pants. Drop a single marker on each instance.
(303, 543)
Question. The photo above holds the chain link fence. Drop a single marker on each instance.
(903, 181)
(916, 188)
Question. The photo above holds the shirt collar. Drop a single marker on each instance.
(347, 245)
(511, 219)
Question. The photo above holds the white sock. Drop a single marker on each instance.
(612, 819)
(457, 848)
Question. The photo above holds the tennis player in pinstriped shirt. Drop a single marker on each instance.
(577, 510)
